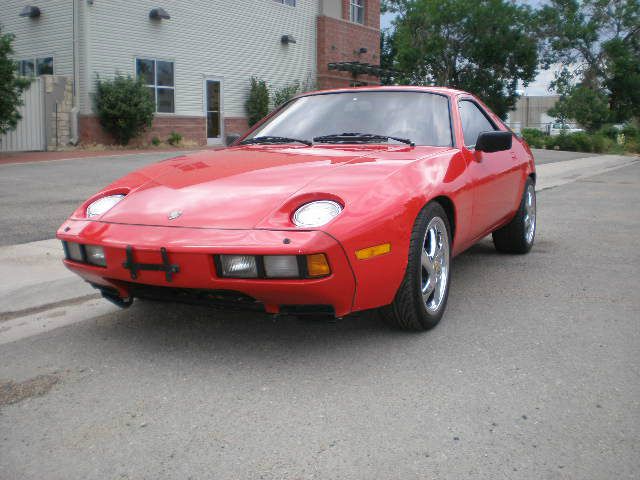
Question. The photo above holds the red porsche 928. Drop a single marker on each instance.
(340, 201)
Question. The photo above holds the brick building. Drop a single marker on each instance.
(196, 57)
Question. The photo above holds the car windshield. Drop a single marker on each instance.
(363, 117)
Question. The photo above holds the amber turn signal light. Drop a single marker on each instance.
(317, 265)
(371, 252)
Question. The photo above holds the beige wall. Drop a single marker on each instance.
(531, 112)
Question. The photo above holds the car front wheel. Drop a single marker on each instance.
(422, 297)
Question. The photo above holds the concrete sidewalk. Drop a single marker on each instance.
(7, 158)
(34, 279)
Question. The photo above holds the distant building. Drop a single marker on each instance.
(196, 56)
(531, 112)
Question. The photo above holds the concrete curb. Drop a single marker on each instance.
(559, 173)
(33, 276)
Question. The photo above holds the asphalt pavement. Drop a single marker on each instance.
(36, 197)
(533, 373)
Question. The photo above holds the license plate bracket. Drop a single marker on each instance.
(167, 267)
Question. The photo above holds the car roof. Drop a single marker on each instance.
(410, 88)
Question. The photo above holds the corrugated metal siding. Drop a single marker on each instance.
(232, 40)
(29, 134)
(51, 34)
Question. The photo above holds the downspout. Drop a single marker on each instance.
(75, 110)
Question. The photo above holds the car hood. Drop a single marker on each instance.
(236, 188)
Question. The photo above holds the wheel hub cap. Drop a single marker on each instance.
(434, 271)
(530, 213)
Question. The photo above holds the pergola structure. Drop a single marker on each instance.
(359, 68)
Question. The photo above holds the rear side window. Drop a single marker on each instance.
(474, 122)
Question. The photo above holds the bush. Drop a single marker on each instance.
(257, 103)
(174, 139)
(125, 107)
(534, 137)
(155, 141)
(284, 94)
(11, 85)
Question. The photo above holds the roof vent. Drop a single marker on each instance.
(159, 14)
(30, 11)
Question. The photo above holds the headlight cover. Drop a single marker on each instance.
(316, 214)
(103, 205)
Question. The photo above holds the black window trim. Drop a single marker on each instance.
(284, 2)
(482, 110)
(453, 144)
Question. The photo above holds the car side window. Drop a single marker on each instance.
(474, 122)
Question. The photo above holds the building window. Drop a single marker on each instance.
(291, 3)
(33, 67)
(158, 76)
(356, 11)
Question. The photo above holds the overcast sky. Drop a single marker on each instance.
(538, 87)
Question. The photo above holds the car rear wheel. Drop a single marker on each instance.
(519, 234)
(422, 297)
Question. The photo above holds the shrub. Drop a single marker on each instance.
(257, 103)
(534, 137)
(174, 138)
(155, 141)
(284, 94)
(631, 132)
(11, 85)
(125, 107)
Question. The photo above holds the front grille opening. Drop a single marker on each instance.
(307, 310)
(226, 299)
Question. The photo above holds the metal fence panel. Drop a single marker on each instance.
(29, 135)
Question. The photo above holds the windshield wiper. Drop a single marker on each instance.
(350, 137)
(275, 139)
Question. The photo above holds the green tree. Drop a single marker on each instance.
(576, 32)
(623, 78)
(485, 47)
(124, 106)
(11, 85)
(598, 42)
(388, 54)
(257, 103)
(588, 106)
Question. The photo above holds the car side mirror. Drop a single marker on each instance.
(490, 142)
(231, 139)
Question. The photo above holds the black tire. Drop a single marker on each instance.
(409, 309)
(516, 237)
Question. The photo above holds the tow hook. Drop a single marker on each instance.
(118, 301)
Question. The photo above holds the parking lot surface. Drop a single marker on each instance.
(533, 373)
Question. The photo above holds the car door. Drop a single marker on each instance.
(495, 177)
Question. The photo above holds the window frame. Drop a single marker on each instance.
(155, 85)
(34, 60)
(482, 111)
(450, 106)
(357, 5)
(221, 80)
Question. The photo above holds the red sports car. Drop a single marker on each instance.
(340, 201)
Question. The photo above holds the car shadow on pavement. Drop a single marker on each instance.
(168, 327)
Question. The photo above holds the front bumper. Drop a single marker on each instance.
(193, 250)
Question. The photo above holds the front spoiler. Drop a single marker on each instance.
(192, 250)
